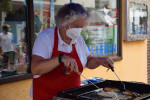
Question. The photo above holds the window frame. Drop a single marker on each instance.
(30, 32)
(120, 11)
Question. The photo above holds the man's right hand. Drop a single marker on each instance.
(70, 62)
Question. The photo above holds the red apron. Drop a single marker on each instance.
(49, 84)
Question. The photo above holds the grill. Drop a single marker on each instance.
(90, 92)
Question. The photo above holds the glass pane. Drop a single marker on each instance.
(13, 38)
(138, 18)
(44, 12)
(101, 36)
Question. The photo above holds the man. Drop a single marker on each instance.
(7, 47)
(60, 54)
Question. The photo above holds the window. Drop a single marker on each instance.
(14, 57)
(102, 35)
(138, 18)
(137, 24)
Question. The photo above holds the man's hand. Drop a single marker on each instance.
(70, 62)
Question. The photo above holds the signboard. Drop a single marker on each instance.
(105, 40)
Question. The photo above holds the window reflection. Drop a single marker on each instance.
(101, 36)
(138, 18)
(13, 41)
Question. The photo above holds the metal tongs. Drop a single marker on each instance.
(67, 73)
(124, 87)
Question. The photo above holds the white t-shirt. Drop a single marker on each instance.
(6, 42)
(43, 46)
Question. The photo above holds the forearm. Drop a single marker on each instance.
(92, 62)
(43, 66)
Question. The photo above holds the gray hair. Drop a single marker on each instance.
(70, 12)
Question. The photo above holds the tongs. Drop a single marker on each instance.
(124, 87)
(67, 73)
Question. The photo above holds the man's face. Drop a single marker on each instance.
(6, 29)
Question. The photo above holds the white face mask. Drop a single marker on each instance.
(74, 33)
